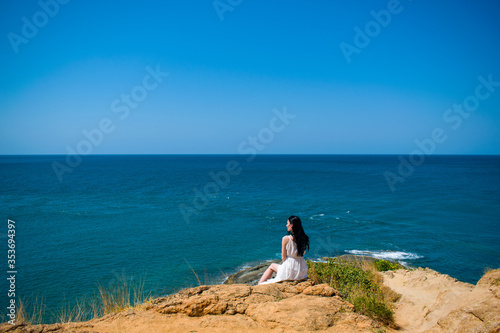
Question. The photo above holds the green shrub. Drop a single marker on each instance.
(374, 307)
(383, 265)
(358, 283)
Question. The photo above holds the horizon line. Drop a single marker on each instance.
(268, 154)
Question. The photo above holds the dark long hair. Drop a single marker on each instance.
(299, 235)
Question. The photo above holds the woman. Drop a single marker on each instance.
(293, 248)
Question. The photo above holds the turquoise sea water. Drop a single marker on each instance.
(122, 215)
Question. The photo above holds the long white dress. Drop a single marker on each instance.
(293, 268)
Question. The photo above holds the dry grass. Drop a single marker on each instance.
(68, 313)
(313, 275)
(487, 270)
(30, 316)
(208, 279)
(196, 275)
(122, 294)
(119, 296)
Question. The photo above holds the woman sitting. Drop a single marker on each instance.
(293, 248)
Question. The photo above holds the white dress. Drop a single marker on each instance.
(293, 268)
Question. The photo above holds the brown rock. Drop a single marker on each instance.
(306, 312)
(292, 305)
(436, 303)
(259, 298)
(295, 305)
(320, 290)
(459, 321)
(350, 319)
(431, 302)
(195, 306)
(216, 308)
(490, 279)
(274, 290)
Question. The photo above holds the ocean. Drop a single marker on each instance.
(160, 218)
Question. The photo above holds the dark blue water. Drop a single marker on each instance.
(148, 216)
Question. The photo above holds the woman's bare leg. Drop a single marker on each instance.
(269, 272)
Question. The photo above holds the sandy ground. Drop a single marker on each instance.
(140, 321)
(426, 297)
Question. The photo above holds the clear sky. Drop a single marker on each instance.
(360, 77)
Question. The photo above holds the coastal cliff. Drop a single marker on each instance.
(436, 303)
(430, 302)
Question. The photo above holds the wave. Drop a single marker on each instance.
(315, 216)
(387, 255)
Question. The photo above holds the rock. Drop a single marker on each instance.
(437, 303)
(352, 257)
(490, 280)
(297, 305)
(478, 312)
(249, 275)
(308, 313)
(320, 290)
(431, 303)
(57, 328)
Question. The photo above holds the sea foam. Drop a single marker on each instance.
(387, 255)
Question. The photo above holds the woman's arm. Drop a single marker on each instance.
(284, 241)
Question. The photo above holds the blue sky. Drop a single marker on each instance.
(226, 76)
